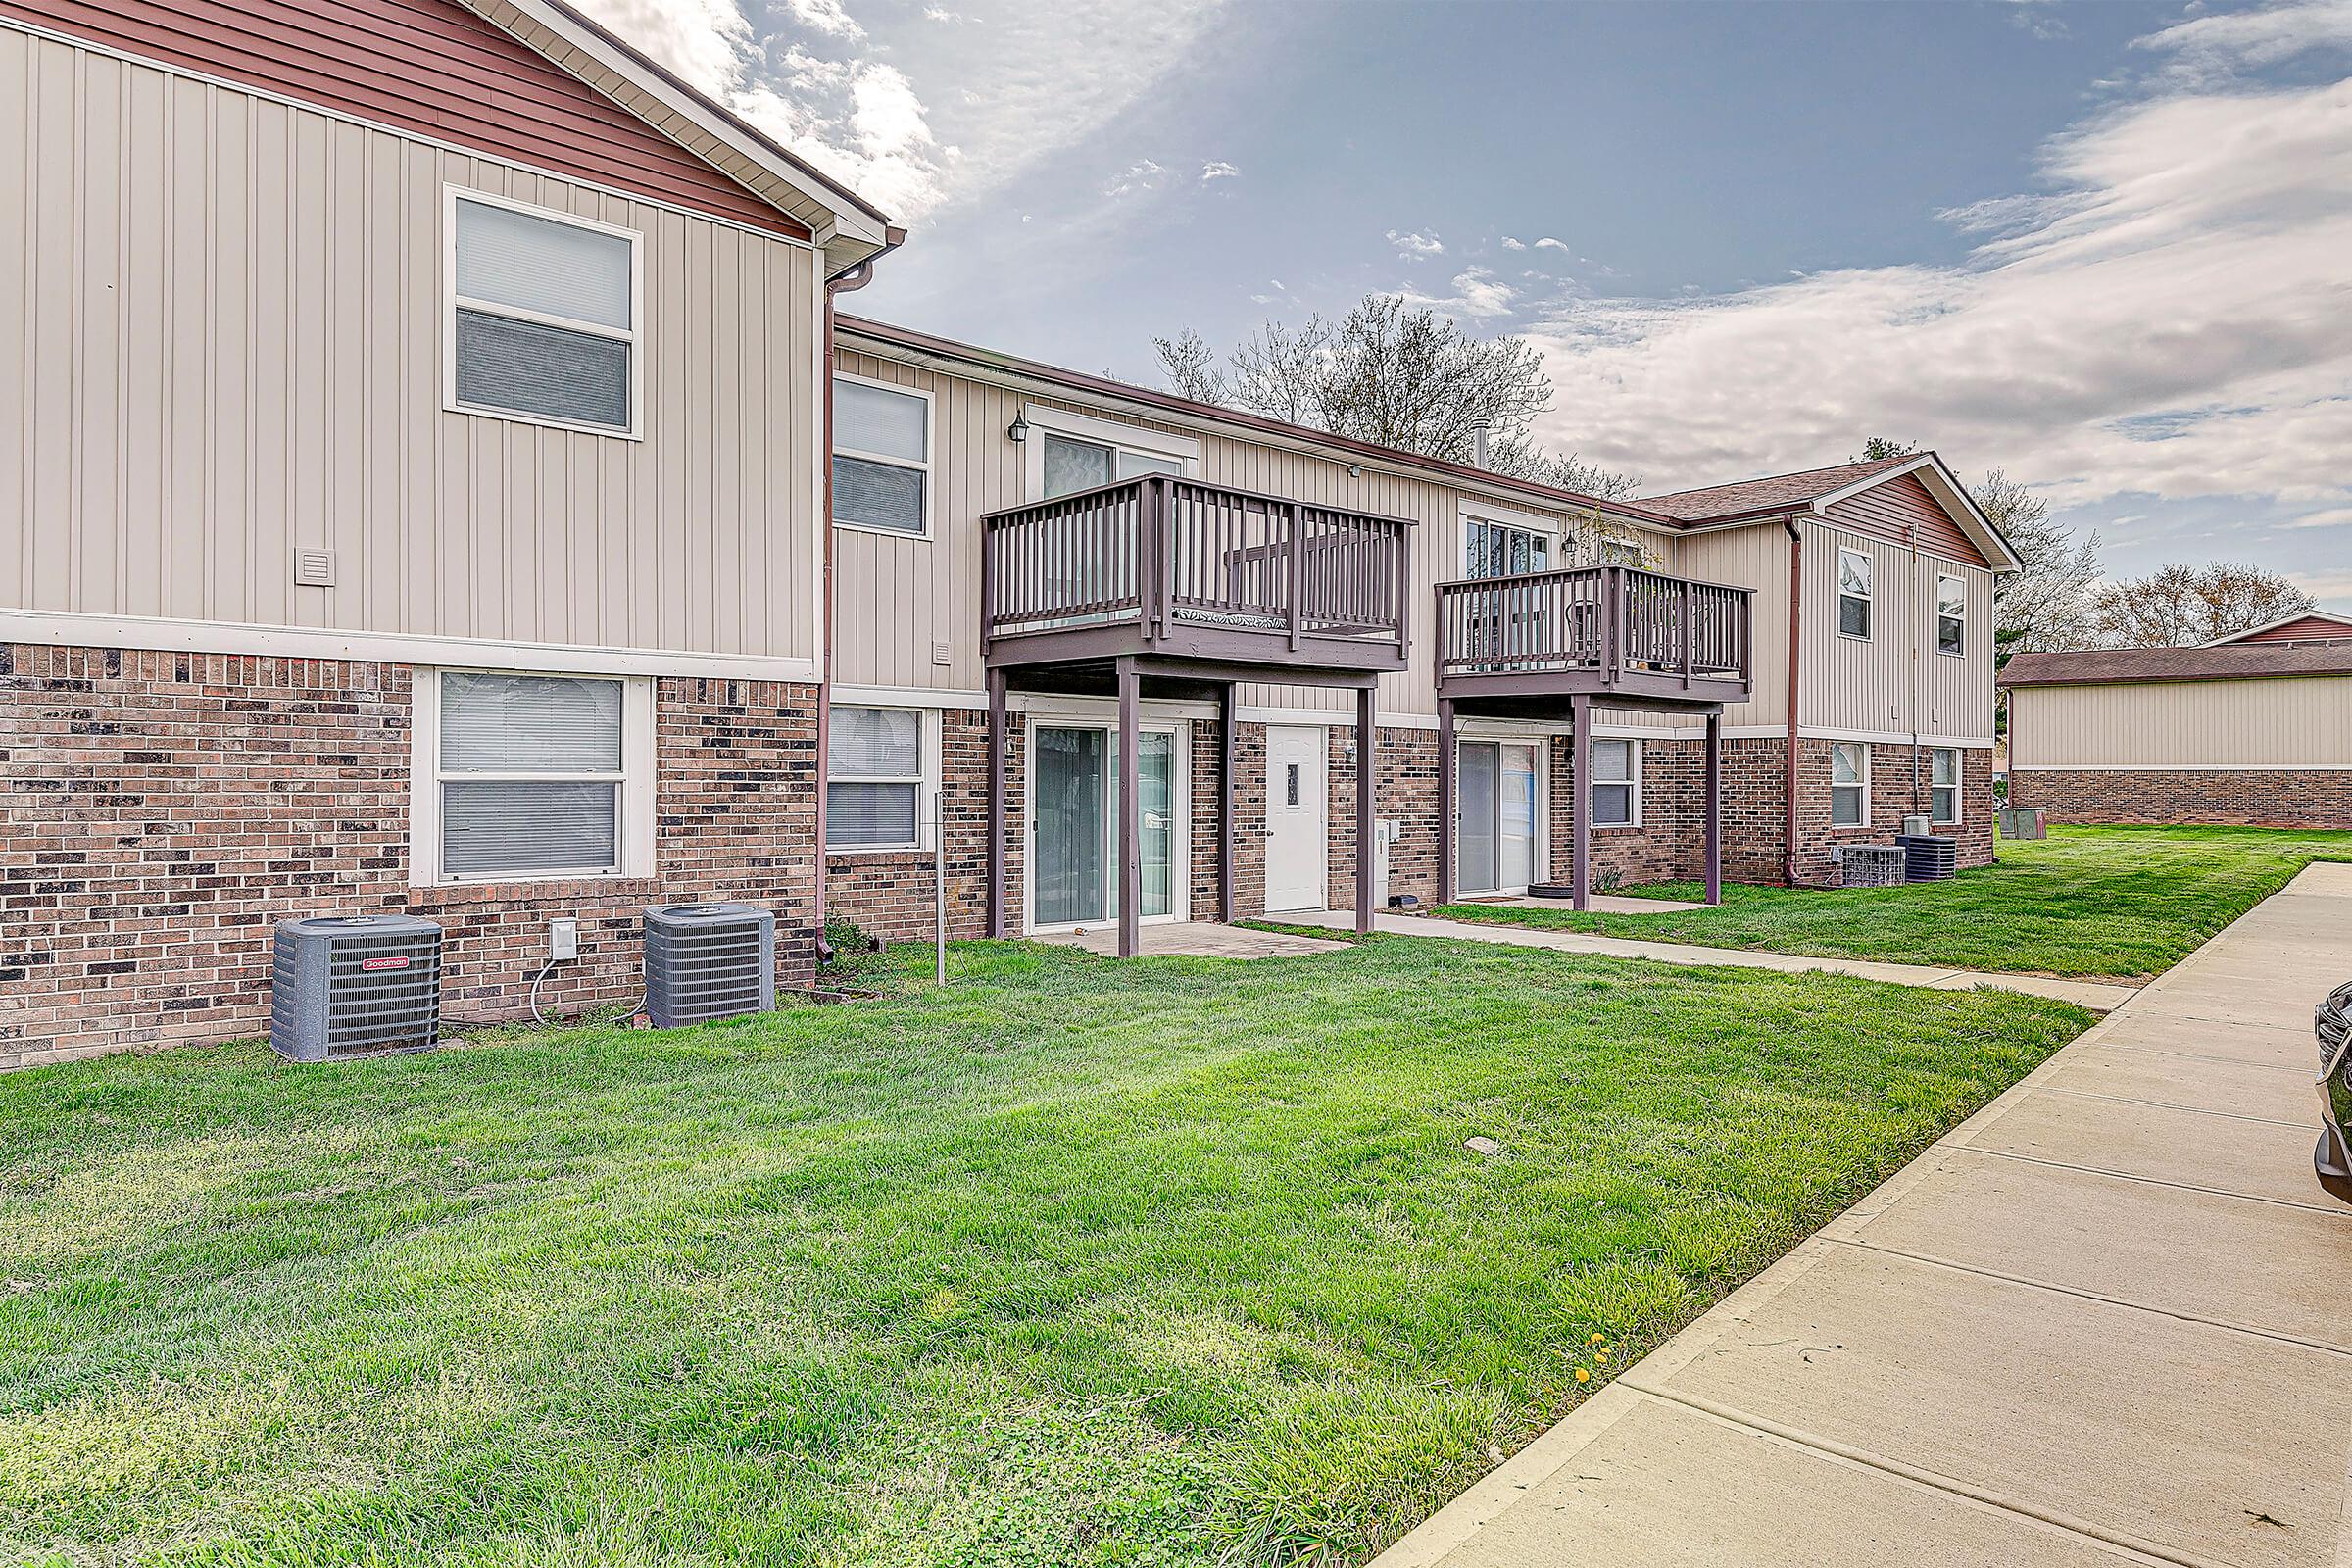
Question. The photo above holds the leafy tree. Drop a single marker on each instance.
(2182, 606)
(1395, 376)
(2047, 602)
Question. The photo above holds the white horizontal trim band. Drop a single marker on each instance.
(72, 629)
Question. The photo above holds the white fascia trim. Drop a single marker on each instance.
(906, 697)
(848, 221)
(250, 90)
(72, 629)
(1103, 709)
(2180, 767)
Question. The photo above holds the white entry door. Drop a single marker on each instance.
(1298, 842)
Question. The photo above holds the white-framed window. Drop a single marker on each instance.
(1853, 594)
(1943, 785)
(1068, 452)
(1492, 549)
(1849, 784)
(1616, 783)
(1073, 463)
(878, 778)
(1951, 614)
(1621, 553)
(543, 315)
(523, 777)
(881, 456)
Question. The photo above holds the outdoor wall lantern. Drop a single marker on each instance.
(1018, 429)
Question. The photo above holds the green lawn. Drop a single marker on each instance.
(2127, 901)
(1074, 1262)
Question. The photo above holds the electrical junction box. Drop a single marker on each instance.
(563, 940)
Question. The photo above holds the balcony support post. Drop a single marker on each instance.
(1227, 708)
(1580, 809)
(1367, 774)
(1714, 766)
(1131, 813)
(997, 740)
(1445, 878)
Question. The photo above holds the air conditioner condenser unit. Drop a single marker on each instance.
(707, 960)
(352, 985)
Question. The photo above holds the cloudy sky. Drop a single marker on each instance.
(2107, 246)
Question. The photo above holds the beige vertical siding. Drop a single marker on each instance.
(221, 323)
(1895, 683)
(1759, 559)
(2285, 722)
(898, 596)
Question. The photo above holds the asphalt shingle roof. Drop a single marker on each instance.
(1758, 495)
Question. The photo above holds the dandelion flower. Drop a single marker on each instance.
(1596, 1340)
(1583, 1376)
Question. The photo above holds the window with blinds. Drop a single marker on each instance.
(875, 779)
(1616, 783)
(1943, 785)
(881, 456)
(1849, 784)
(529, 772)
(543, 316)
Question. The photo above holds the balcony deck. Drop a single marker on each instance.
(1615, 633)
(1176, 572)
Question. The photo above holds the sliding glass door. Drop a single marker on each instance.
(1497, 817)
(1074, 834)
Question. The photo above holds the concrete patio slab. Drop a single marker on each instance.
(2108, 1306)
(1200, 939)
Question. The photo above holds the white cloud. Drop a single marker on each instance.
(1477, 294)
(1142, 175)
(826, 17)
(1415, 246)
(2333, 517)
(906, 118)
(2204, 50)
(1217, 169)
(2171, 316)
(1547, 243)
(1510, 244)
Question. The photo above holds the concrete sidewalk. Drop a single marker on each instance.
(2101, 996)
(2108, 1319)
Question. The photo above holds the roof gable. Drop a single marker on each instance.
(2312, 626)
(453, 73)
(1913, 491)
(2101, 667)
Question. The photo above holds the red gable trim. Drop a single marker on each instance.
(427, 67)
(2319, 626)
(1902, 510)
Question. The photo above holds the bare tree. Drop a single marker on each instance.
(1398, 376)
(1879, 448)
(2047, 602)
(2182, 606)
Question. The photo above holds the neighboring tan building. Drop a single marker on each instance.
(2255, 729)
(440, 483)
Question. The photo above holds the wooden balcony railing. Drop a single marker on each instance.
(1622, 626)
(1197, 563)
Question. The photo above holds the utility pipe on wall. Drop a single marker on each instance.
(847, 281)
(1796, 631)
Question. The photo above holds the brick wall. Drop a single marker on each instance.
(161, 812)
(2313, 798)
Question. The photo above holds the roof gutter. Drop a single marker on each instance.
(847, 281)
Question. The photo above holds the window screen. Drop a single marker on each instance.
(545, 317)
(874, 789)
(1849, 784)
(1853, 593)
(1943, 792)
(530, 773)
(1951, 614)
(881, 456)
(1614, 781)
(1072, 465)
